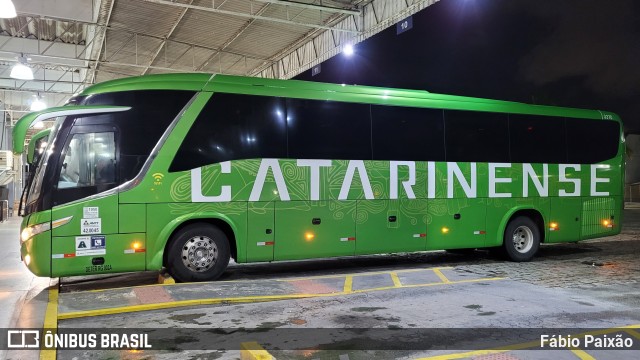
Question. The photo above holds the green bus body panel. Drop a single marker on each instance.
(132, 218)
(32, 144)
(20, 129)
(116, 259)
(568, 212)
(298, 237)
(346, 219)
(391, 226)
(446, 231)
(261, 231)
(72, 250)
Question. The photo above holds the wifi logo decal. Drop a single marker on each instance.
(157, 178)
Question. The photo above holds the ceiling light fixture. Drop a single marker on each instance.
(348, 50)
(7, 9)
(37, 104)
(20, 70)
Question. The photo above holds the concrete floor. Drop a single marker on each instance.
(22, 299)
(592, 284)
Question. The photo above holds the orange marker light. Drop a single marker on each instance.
(445, 230)
(309, 236)
(607, 223)
(136, 245)
(553, 226)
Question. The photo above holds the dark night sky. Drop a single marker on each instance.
(574, 53)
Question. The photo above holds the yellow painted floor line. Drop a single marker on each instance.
(181, 303)
(523, 346)
(633, 333)
(51, 321)
(170, 283)
(583, 355)
(363, 274)
(395, 279)
(253, 351)
(463, 355)
(348, 284)
(244, 299)
(441, 276)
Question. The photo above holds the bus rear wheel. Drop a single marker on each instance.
(198, 252)
(521, 239)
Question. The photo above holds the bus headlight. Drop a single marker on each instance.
(33, 230)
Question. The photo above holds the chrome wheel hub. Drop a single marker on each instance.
(523, 239)
(199, 253)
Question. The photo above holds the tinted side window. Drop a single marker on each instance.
(537, 139)
(591, 141)
(476, 136)
(141, 127)
(403, 133)
(328, 130)
(232, 127)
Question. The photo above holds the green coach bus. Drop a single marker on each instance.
(186, 171)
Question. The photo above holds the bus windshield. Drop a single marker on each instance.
(35, 185)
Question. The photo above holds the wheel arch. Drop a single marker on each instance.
(159, 257)
(530, 212)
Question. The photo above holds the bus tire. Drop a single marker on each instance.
(521, 239)
(198, 252)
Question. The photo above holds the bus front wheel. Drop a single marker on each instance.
(521, 239)
(198, 252)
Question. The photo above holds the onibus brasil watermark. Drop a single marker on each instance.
(39, 339)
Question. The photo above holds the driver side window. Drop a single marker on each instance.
(89, 159)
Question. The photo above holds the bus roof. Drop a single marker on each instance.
(328, 91)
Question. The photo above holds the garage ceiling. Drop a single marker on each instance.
(74, 43)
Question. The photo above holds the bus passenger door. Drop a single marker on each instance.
(261, 231)
(456, 223)
(388, 226)
(313, 229)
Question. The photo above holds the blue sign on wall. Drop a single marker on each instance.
(404, 25)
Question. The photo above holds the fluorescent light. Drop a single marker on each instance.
(7, 10)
